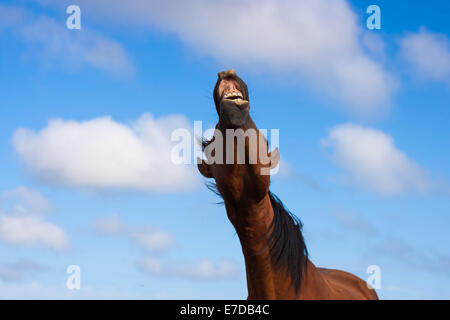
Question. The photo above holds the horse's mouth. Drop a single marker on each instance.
(232, 100)
(229, 89)
(234, 96)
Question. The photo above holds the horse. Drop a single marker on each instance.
(276, 258)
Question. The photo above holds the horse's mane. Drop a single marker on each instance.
(285, 240)
(286, 243)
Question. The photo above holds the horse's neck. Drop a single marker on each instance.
(252, 223)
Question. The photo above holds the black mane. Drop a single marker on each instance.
(286, 243)
(285, 240)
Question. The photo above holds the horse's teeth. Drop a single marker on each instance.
(233, 94)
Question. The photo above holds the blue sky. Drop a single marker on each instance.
(85, 141)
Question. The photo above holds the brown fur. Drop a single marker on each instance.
(246, 195)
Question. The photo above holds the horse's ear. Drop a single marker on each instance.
(274, 158)
(204, 168)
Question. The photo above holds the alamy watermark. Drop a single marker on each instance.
(223, 148)
(74, 20)
(374, 20)
(374, 280)
(74, 280)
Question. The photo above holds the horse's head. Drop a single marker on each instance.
(238, 157)
(231, 99)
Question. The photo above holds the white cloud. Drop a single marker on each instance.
(146, 236)
(204, 269)
(353, 221)
(9, 273)
(15, 271)
(285, 168)
(109, 226)
(30, 201)
(152, 266)
(102, 153)
(373, 162)
(25, 224)
(45, 291)
(428, 54)
(53, 42)
(428, 260)
(287, 171)
(319, 41)
(153, 238)
(32, 231)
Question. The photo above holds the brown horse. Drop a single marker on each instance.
(276, 259)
